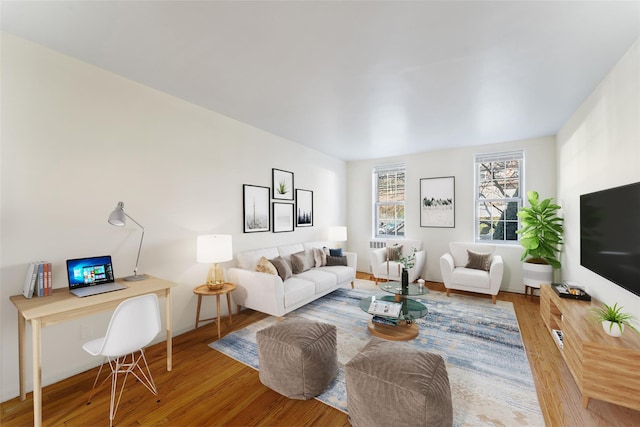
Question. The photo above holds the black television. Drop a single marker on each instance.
(610, 235)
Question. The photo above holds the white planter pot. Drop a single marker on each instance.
(612, 328)
(535, 274)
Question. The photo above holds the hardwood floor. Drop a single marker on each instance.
(206, 388)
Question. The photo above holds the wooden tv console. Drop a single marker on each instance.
(603, 367)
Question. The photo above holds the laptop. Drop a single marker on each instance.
(91, 276)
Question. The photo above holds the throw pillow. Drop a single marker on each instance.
(394, 253)
(336, 260)
(284, 271)
(335, 252)
(299, 262)
(478, 260)
(264, 266)
(319, 257)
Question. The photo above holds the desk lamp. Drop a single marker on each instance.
(119, 218)
(212, 249)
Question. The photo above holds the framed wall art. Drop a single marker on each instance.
(282, 184)
(255, 208)
(304, 208)
(437, 202)
(282, 217)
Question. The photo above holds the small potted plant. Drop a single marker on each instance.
(613, 319)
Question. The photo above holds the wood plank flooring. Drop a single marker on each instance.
(206, 388)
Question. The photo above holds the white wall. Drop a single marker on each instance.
(77, 139)
(599, 148)
(539, 175)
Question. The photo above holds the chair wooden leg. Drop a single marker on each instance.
(447, 291)
(494, 298)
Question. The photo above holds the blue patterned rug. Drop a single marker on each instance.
(490, 377)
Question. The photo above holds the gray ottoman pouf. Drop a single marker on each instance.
(389, 384)
(298, 357)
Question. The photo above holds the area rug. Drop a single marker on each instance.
(490, 377)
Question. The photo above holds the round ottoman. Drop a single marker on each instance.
(297, 357)
(390, 384)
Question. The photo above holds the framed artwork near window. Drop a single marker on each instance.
(437, 202)
(255, 208)
(282, 217)
(282, 184)
(304, 208)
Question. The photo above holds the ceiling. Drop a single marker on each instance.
(353, 79)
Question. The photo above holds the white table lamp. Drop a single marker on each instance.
(338, 234)
(212, 249)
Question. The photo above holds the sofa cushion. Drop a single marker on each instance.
(471, 277)
(284, 271)
(249, 260)
(299, 262)
(265, 266)
(297, 290)
(343, 274)
(479, 261)
(322, 280)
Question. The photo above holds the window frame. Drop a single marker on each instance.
(376, 203)
(519, 200)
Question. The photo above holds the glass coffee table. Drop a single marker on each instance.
(406, 329)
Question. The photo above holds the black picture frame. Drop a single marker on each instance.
(282, 184)
(256, 213)
(304, 208)
(437, 202)
(282, 217)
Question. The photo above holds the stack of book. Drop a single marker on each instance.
(385, 308)
(38, 281)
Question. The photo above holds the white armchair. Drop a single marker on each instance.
(383, 268)
(462, 271)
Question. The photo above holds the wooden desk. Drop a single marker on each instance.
(63, 306)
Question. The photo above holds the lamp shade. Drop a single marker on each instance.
(214, 248)
(338, 233)
(117, 217)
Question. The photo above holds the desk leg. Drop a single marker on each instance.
(37, 372)
(169, 343)
(22, 355)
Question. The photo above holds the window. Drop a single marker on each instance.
(388, 200)
(498, 195)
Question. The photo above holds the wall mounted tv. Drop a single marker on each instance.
(610, 235)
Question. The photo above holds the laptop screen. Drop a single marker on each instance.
(89, 271)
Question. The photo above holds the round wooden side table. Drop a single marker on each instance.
(203, 290)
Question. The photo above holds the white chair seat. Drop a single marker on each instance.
(134, 324)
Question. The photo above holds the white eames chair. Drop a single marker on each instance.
(134, 324)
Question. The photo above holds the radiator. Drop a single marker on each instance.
(376, 244)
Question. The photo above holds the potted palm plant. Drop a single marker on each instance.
(540, 237)
(613, 319)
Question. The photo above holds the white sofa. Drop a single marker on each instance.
(392, 270)
(456, 275)
(269, 294)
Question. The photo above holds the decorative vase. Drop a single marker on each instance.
(612, 328)
(405, 282)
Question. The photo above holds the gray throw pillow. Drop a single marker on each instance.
(284, 271)
(394, 253)
(479, 261)
(299, 262)
(336, 260)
